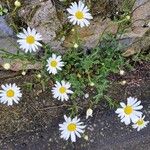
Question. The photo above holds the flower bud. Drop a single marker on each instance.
(89, 113)
(17, 3)
(23, 73)
(76, 45)
(78, 75)
(123, 82)
(6, 66)
(39, 76)
(86, 137)
(92, 84)
(86, 95)
(122, 72)
(73, 30)
(128, 17)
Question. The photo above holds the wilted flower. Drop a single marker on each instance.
(89, 113)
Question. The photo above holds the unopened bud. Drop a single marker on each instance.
(39, 76)
(17, 3)
(123, 82)
(89, 113)
(76, 45)
(86, 137)
(23, 73)
(122, 72)
(128, 17)
(6, 66)
(92, 84)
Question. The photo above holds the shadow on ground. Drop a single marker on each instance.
(33, 123)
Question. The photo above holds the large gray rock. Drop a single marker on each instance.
(140, 31)
(140, 17)
(42, 16)
(5, 30)
(7, 38)
(90, 36)
(105, 8)
(8, 42)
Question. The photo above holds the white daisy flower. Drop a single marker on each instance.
(29, 40)
(129, 112)
(61, 90)
(54, 63)
(140, 123)
(71, 128)
(10, 93)
(79, 14)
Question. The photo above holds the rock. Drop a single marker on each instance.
(140, 16)
(142, 43)
(42, 16)
(139, 35)
(18, 65)
(105, 8)
(7, 39)
(5, 30)
(90, 36)
(9, 44)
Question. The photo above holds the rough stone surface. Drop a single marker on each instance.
(42, 16)
(105, 8)
(7, 38)
(137, 38)
(138, 45)
(140, 15)
(5, 30)
(8, 43)
(90, 36)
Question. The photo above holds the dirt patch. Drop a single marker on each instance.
(33, 123)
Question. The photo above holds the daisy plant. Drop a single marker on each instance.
(61, 90)
(130, 111)
(10, 93)
(29, 40)
(79, 14)
(54, 64)
(140, 123)
(71, 128)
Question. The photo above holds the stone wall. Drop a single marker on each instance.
(49, 18)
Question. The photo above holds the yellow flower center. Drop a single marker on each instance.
(62, 90)
(54, 63)
(72, 127)
(79, 15)
(140, 122)
(128, 110)
(30, 39)
(10, 93)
